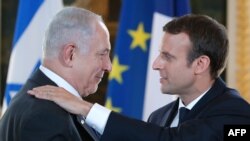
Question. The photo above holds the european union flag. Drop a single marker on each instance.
(128, 78)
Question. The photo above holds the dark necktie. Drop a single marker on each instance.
(182, 114)
(94, 134)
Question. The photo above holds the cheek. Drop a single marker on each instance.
(94, 71)
(177, 71)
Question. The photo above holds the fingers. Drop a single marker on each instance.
(63, 98)
(40, 94)
(46, 88)
(43, 92)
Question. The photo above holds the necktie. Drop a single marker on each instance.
(94, 134)
(182, 113)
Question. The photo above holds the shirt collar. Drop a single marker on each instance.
(191, 105)
(59, 81)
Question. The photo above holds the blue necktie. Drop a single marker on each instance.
(182, 114)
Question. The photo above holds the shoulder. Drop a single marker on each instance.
(46, 108)
(230, 103)
(230, 95)
(221, 96)
(30, 110)
(45, 116)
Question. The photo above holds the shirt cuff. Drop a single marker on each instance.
(98, 117)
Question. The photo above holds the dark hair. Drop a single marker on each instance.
(207, 36)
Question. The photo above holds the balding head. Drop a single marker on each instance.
(70, 26)
(77, 49)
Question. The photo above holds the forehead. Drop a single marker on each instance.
(175, 43)
(100, 40)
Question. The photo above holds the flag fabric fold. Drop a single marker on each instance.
(132, 82)
(32, 19)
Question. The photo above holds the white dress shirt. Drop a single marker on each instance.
(98, 111)
(93, 118)
(175, 122)
(64, 84)
(59, 81)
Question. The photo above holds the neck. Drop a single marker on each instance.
(199, 89)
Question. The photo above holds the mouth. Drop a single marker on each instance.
(162, 79)
(99, 78)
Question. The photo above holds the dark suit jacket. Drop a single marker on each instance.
(31, 119)
(218, 107)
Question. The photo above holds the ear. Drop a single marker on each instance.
(202, 64)
(68, 53)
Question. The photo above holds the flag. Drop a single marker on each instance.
(32, 19)
(134, 88)
(165, 11)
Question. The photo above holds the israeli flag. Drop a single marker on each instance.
(32, 19)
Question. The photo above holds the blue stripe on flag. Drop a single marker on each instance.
(173, 8)
(26, 10)
(11, 90)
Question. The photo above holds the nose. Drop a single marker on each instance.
(156, 64)
(107, 65)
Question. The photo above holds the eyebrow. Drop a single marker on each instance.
(168, 54)
(105, 50)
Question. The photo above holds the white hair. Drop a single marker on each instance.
(70, 25)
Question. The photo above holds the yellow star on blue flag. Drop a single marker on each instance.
(117, 70)
(110, 106)
(140, 37)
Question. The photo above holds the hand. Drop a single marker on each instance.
(63, 98)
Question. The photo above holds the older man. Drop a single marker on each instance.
(75, 57)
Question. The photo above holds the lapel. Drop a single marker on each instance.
(86, 133)
(170, 114)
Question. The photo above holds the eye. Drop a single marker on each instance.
(103, 53)
(166, 56)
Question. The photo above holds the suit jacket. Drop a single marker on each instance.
(218, 107)
(31, 119)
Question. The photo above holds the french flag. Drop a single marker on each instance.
(165, 11)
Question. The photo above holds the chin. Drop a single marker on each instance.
(93, 90)
(166, 91)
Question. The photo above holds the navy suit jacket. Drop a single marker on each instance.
(31, 119)
(218, 107)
